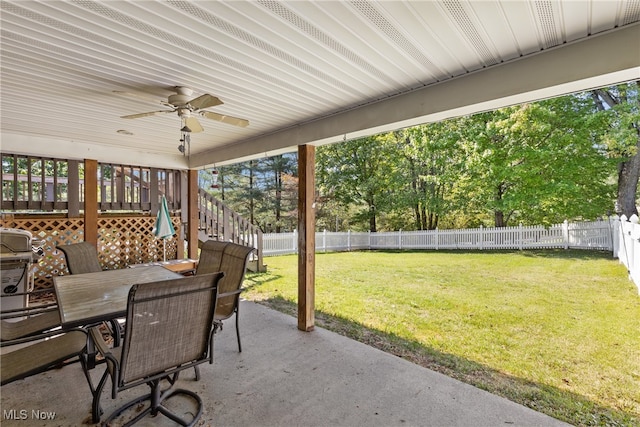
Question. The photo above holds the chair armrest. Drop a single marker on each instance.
(33, 292)
(28, 311)
(99, 342)
(230, 293)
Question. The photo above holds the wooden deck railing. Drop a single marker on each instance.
(217, 221)
(46, 190)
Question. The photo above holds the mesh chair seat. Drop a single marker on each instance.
(41, 356)
(30, 325)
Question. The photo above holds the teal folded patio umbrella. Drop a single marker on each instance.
(164, 227)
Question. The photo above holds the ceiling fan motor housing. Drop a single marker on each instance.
(179, 100)
(184, 113)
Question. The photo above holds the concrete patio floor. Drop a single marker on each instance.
(284, 377)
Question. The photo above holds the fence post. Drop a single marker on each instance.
(633, 239)
(369, 240)
(481, 237)
(400, 239)
(437, 242)
(520, 236)
(349, 240)
(565, 233)
(615, 235)
(324, 240)
(295, 241)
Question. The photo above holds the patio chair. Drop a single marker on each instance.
(232, 259)
(41, 355)
(83, 258)
(169, 328)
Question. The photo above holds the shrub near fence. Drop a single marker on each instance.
(615, 234)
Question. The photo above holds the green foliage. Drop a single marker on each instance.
(264, 191)
(537, 163)
(358, 173)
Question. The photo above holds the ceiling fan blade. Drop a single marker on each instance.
(193, 124)
(224, 119)
(151, 113)
(205, 101)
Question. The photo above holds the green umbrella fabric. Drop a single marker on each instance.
(164, 227)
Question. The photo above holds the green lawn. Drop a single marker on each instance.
(558, 331)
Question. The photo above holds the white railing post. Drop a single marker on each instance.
(369, 236)
(349, 240)
(437, 240)
(565, 233)
(400, 239)
(295, 241)
(481, 237)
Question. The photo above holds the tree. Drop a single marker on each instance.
(357, 173)
(277, 204)
(621, 106)
(432, 166)
(537, 163)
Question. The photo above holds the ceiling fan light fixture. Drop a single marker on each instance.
(185, 129)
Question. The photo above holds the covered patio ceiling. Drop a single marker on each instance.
(301, 72)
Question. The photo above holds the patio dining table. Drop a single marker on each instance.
(90, 298)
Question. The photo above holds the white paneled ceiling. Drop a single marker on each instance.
(298, 71)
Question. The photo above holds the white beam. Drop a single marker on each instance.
(65, 149)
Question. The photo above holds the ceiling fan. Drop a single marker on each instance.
(187, 108)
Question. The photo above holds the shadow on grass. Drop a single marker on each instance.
(537, 253)
(560, 404)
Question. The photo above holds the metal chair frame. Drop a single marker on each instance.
(124, 363)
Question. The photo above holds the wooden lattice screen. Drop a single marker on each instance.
(122, 241)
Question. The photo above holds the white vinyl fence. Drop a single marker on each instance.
(614, 234)
(626, 246)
